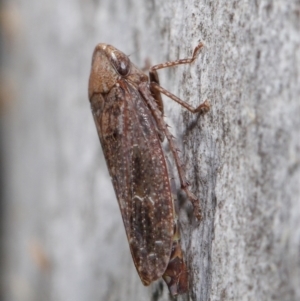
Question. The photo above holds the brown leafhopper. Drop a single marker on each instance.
(128, 113)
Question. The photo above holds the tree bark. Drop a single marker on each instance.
(63, 233)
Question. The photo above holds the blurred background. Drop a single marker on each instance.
(55, 189)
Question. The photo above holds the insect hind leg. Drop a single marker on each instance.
(144, 89)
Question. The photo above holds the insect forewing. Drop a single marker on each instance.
(139, 174)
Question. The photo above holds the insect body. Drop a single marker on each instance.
(128, 114)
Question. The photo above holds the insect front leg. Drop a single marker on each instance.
(145, 91)
(177, 62)
(154, 79)
(156, 88)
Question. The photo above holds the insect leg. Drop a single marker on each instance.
(202, 108)
(144, 89)
(176, 273)
(177, 62)
(155, 88)
(153, 76)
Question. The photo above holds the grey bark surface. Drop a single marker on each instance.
(64, 237)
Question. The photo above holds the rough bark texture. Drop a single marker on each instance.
(64, 238)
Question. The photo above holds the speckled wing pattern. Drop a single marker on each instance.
(139, 173)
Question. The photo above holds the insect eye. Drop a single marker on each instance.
(121, 62)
